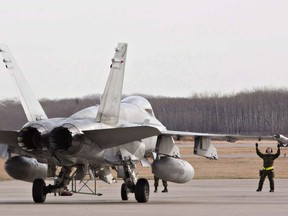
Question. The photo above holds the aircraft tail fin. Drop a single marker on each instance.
(30, 103)
(109, 109)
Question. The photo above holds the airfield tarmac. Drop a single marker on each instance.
(198, 197)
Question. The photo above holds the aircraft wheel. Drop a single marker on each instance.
(39, 191)
(142, 190)
(124, 192)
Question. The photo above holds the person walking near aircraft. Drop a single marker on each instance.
(156, 183)
(267, 170)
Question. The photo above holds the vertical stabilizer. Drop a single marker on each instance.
(31, 105)
(109, 109)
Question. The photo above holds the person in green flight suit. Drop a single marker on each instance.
(268, 160)
(156, 183)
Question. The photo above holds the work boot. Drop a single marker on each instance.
(155, 191)
(165, 190)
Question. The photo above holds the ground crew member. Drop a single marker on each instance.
(156, 183)
(267, 170)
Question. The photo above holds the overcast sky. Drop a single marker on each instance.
(175, 48)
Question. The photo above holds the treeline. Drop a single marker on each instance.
(262, 111)
(259, 111)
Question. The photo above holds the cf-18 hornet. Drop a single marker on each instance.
(116, 134)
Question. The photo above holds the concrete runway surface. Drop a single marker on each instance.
(198, 197)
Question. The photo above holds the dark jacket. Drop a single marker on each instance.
(268, 159)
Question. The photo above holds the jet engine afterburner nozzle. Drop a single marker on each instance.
(30, 138)
(66, 138)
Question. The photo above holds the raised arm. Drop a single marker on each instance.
(277, 153)
(258, 152)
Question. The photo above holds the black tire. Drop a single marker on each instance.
(142, 190)
(39, 191)
(124, 192)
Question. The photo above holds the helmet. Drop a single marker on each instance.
(269, 150)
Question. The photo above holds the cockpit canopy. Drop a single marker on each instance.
(141, 102)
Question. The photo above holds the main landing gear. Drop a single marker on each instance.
(140, 188)
(40, 190)
(141, 191)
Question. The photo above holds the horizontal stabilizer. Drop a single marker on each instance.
(8, 138)
(107, 138)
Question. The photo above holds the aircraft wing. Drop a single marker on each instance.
(7, 138)
(225, 137)
(107, 138)
(111, 137)
(202, 141)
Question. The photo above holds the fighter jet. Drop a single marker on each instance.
(117, 134)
